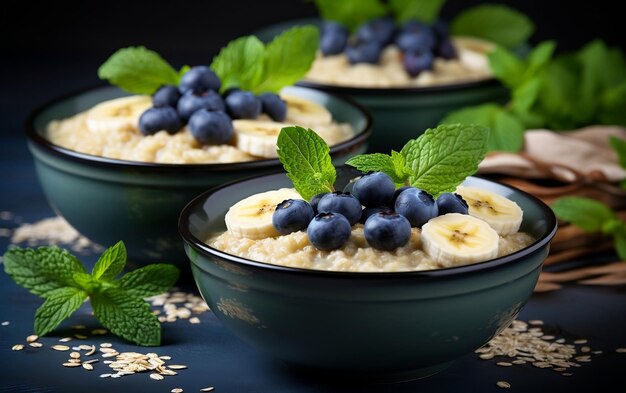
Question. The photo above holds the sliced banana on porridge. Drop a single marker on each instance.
(252, 217)
(302, 111)
(119, 114)
(501, 213)
(257, 137)
(458, 239)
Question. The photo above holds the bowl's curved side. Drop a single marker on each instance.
(385, 323)
(110, 200)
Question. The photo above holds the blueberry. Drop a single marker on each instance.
(315, 199)
(343, 203)
(167, 95)
(242, 104)
(387, 231)
(417, 206)
(192, 101)
(350, 186)
(333, 38)
(445, 49)
(292, 215)
(329, 231)
(379, 30)
(199, 78)
(398, 192)
(369, 211)
(364, 52)
(231, 89)
(374, 189)
(441, 29)
(416, 62)
(451, 203)
(211, 127)
(274, 106)
(416, 36)
(157, 119)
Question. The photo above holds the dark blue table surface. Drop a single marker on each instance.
(217, 358)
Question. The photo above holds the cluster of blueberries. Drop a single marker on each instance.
(388, 214)
(419, 42)
(197, 102)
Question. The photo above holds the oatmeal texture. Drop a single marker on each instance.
(294, 250)
(471, 64)
(128, 143)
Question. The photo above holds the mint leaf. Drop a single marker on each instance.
(42, 270)
(350, 13)
(619, 145)
(127, 316)
(540, 56)
(111, 263)
(613, 101)
(506, 66)
(240, 63)
(525, 96)
(423, 10)
(138, 70)
(585, 213)
(494, 22)
(150, 280)
(59, 305)
(288, 58)
(392, 165)
(442, 157)
(86, 282)
(305, 156)
(506, 130)
(619, 240)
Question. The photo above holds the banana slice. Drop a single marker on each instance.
(305, 113)
(118, 114)
(501, 213)
(252, 217)
(457, 239)
(472, 52)
(258, 137)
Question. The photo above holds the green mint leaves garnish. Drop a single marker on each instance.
(60, 278)
(619, 145)
(350, 13)
(423, 10)
(437, 161)
(593, 217)
(306, 158)
(139, 70)
(249, 64)
(494, 22)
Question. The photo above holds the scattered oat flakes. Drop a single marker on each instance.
(177, 390)
(194, 320)
(156, 377)
(75, 355)
(620, 350)
(65, 339)
(32, 338)
(504, 364)
(17, 347)
(503, 384)
(177, 366)
(105, 375)
(71, 364)
(535, 322)
(53, 231)
(207, 389)
(36, 344)
(85, 347)
(580, 341)
(6, 323)
(88, 366)
(99, 332)
(60, 347)
(106, 345)
(80, 336)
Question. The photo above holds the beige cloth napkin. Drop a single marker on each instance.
(576, 156)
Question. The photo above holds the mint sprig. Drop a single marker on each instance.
(593, 217)
(139, 70)
(494, 22)
(249, 64)
(423, 10)
(61, 279)
(619, 145)
(350, 13)
(437, 161)
(306, 158)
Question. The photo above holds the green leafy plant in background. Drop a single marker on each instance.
(563, 92)
(593, 217)
(619, 145)
(494, 22)
(61, 279)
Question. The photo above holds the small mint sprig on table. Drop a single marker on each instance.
(61, 279)
(139, 70)
(249, 64)
(437, 161)
(593, 217)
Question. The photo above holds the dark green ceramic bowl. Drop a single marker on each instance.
(388, 326)
(109, 200)
(402, 113)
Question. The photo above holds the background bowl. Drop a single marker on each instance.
(402, 113)
(388, 326)
(108, 200)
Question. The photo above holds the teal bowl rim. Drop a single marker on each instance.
(111, 163)
(402, 91)
(474, 268)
